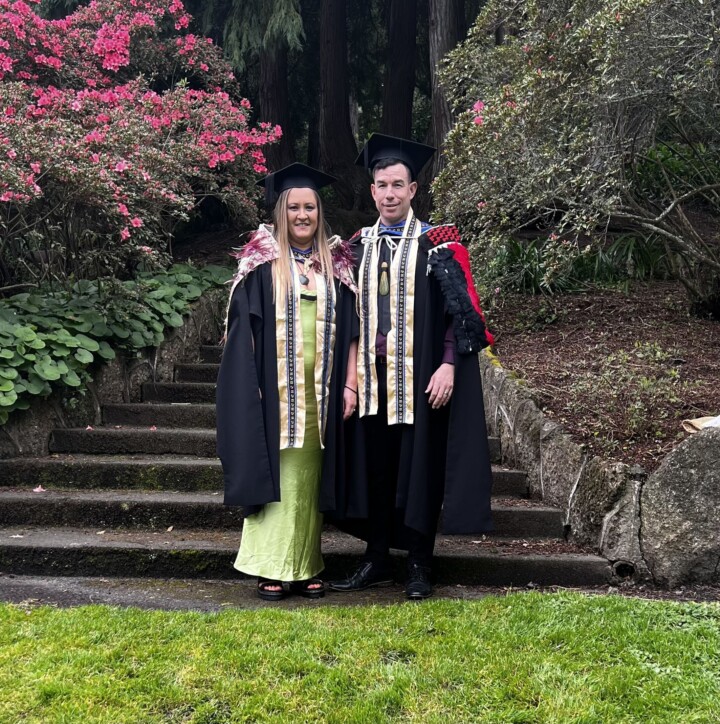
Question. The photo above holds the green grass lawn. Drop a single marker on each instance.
(526, 657)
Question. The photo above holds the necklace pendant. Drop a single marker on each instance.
(304, 280)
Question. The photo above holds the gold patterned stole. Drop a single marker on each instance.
(289, 349)
(400, 340)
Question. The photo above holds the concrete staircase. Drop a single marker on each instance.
(141, 496)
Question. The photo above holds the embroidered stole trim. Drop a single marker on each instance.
(291, 369)
(400, 340)
(325, 334)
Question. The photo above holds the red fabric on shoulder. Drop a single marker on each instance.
(443, 235)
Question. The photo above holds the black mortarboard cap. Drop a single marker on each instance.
(413, 155)
(294, 176)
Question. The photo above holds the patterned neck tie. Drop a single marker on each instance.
(385, 261)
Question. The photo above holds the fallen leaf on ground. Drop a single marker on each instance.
(39, 489)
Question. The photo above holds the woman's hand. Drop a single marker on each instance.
(349, 402)
(350, 393)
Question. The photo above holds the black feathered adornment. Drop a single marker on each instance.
(449, 262)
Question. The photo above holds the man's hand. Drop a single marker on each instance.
(441, 385)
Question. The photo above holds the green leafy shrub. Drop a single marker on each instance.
(552, 265)
(590, 119)
(49, 339)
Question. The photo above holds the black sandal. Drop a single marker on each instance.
(303, 588)
(263, 590)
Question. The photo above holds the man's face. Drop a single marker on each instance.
(393, 192)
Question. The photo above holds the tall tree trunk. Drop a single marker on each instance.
(313, 140)
(447, 29)
(400, 69)
(274, 104)
(337, 145)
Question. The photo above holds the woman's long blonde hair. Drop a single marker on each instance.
(281, 267)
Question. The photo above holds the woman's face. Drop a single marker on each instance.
(302, 217)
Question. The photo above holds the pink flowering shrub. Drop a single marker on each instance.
(115, 123)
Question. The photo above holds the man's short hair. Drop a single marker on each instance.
(390, 161)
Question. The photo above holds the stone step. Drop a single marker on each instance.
(178, 414)
(117, 508)
(148, 472)
(142, 440)
(152, 472)
(212, 354)
(209, 554)
(196, 372)
(179, 392)
(129, 508)
(129, 440)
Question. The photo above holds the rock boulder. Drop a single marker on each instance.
(680, 513)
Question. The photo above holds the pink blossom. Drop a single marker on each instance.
(136, 222)
(121, 166)
(6, 64)
(35, 167)
(479, 107)
(123, 210)
(125, 233)
(112, 45)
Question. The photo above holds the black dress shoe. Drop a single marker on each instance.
(367, 575)
(418, 584)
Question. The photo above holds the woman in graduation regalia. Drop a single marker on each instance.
(287, 379)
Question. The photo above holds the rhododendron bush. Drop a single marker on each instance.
(115, 123)
(590, 118)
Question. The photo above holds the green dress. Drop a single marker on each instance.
(282, 541)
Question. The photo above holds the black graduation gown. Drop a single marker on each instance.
(248, 424)
(444, 455)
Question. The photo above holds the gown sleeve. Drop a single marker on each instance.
(241, 430)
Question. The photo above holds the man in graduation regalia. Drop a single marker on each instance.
(419, 388)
